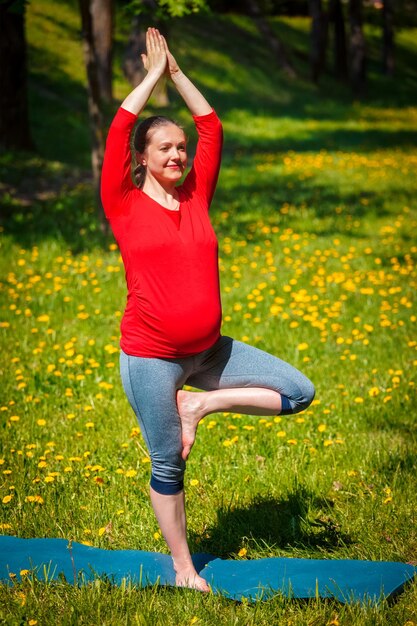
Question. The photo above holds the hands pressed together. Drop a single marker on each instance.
(158, 58)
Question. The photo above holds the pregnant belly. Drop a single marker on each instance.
(172, 327)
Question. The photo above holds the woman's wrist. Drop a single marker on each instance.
(177, 76)
(154, 75)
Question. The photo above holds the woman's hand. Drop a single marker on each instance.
(172, 68)
(155, 59)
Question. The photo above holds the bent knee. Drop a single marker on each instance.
(305, 397)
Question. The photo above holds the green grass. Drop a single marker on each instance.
(316, 218)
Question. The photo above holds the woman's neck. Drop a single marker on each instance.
(165, 195)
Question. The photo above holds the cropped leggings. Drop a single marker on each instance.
(151, 386)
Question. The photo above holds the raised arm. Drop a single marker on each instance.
(116, 180)
(155, 62)
(192, 97)
(202, 178)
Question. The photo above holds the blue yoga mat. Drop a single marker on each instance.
(344, 580)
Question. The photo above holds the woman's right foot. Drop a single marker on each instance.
(190, 410)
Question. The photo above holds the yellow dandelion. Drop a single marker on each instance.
(41, 422)
(302, 346)
(7, 499)
(37, 499)
(242, 552)
(194, 482)
(321, 428)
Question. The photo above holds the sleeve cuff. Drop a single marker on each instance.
(125, 113)
(207, 116)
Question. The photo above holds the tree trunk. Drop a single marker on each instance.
(339, 39)
(388, 50)
(14, 110)
(319, 24)
(93, 91)
(102, 14)
(132, 62)
(357, 48)
(270, 37)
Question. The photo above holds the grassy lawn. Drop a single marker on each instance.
(316, 217)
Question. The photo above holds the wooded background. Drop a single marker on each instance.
(337, 46)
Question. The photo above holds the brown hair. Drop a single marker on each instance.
(141, 140)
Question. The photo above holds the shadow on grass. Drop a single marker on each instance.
(271, 524)
(43, 200)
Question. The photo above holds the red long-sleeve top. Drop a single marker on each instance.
(173, 304)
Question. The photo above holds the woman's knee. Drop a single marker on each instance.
(305, 396)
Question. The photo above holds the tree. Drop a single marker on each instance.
(102, 15)
(357, 48)
(336, 18)
(319, 24)
(14, 109)
(271, 38)
(388, 47)
(93, 90)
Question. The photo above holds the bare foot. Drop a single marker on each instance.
(191, 580)
(190, 409)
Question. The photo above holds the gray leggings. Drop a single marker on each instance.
(151, 385)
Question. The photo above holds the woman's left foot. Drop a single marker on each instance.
(191, 580)
(190, 409)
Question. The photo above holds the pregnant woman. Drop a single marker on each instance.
(170, 332)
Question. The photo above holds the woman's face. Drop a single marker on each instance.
(165, 156)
